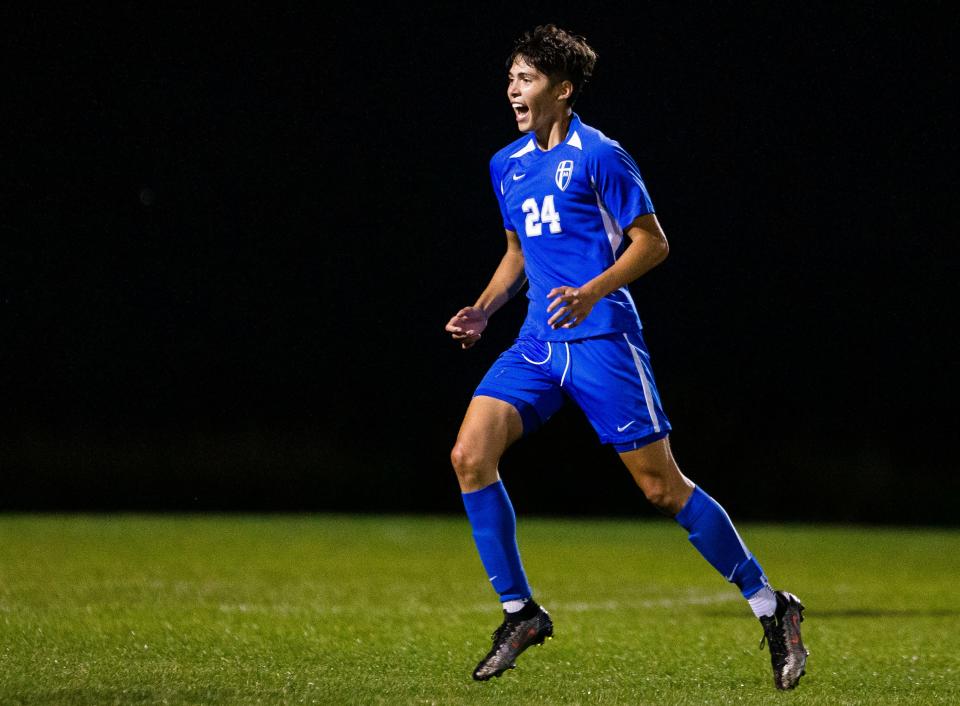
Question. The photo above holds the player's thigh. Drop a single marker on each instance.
(610, 379)
(489, 427)
(527, 376)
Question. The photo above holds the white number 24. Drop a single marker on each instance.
(537, 216)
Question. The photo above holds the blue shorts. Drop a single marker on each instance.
(609, 377)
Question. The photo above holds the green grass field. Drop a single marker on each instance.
(397, 610)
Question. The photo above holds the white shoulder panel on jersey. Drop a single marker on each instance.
(529, 147)
(574, 141)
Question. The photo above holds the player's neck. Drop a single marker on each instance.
(555, 132)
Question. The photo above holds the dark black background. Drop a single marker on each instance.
(231, 241)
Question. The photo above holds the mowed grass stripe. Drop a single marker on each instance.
(397, 610)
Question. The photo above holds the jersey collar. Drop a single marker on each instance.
(572, 139)
(573, 136)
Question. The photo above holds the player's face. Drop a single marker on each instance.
(534, 98)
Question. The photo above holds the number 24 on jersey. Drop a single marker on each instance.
(538, 215)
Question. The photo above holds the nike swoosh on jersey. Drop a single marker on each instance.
(625, 425)
(518, 177)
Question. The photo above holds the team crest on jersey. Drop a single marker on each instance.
(564, 173)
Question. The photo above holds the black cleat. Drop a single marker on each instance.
(509, 640)
(781, 632)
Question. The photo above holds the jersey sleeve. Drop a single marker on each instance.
(617, 180)
(496, 172)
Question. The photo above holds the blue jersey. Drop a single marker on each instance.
(569, 206)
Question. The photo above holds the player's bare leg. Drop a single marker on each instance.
(488, 429)
(656, 472)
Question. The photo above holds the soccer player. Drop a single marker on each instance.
(580, 226)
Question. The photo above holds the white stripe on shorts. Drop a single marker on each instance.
(567, 366)
(646, 385)
(549, 353)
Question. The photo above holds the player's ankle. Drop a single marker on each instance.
(522, 609)
(763, 603)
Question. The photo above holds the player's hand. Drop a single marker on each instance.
(575, 304)
(467, 325)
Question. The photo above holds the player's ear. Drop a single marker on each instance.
(564, 90)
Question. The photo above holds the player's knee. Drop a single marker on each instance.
(656, 493)
(661, 494)
(468, 465)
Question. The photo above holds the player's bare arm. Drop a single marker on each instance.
(648, 248)
(468, 324)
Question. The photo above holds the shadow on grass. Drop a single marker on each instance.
(857, 613)
(886, 613)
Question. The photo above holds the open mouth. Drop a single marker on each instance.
(520, 110)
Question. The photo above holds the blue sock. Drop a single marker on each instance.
(495, 532)
(714, 536)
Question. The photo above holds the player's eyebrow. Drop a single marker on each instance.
(523, 74)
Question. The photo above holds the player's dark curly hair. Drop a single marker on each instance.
(558, 54)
